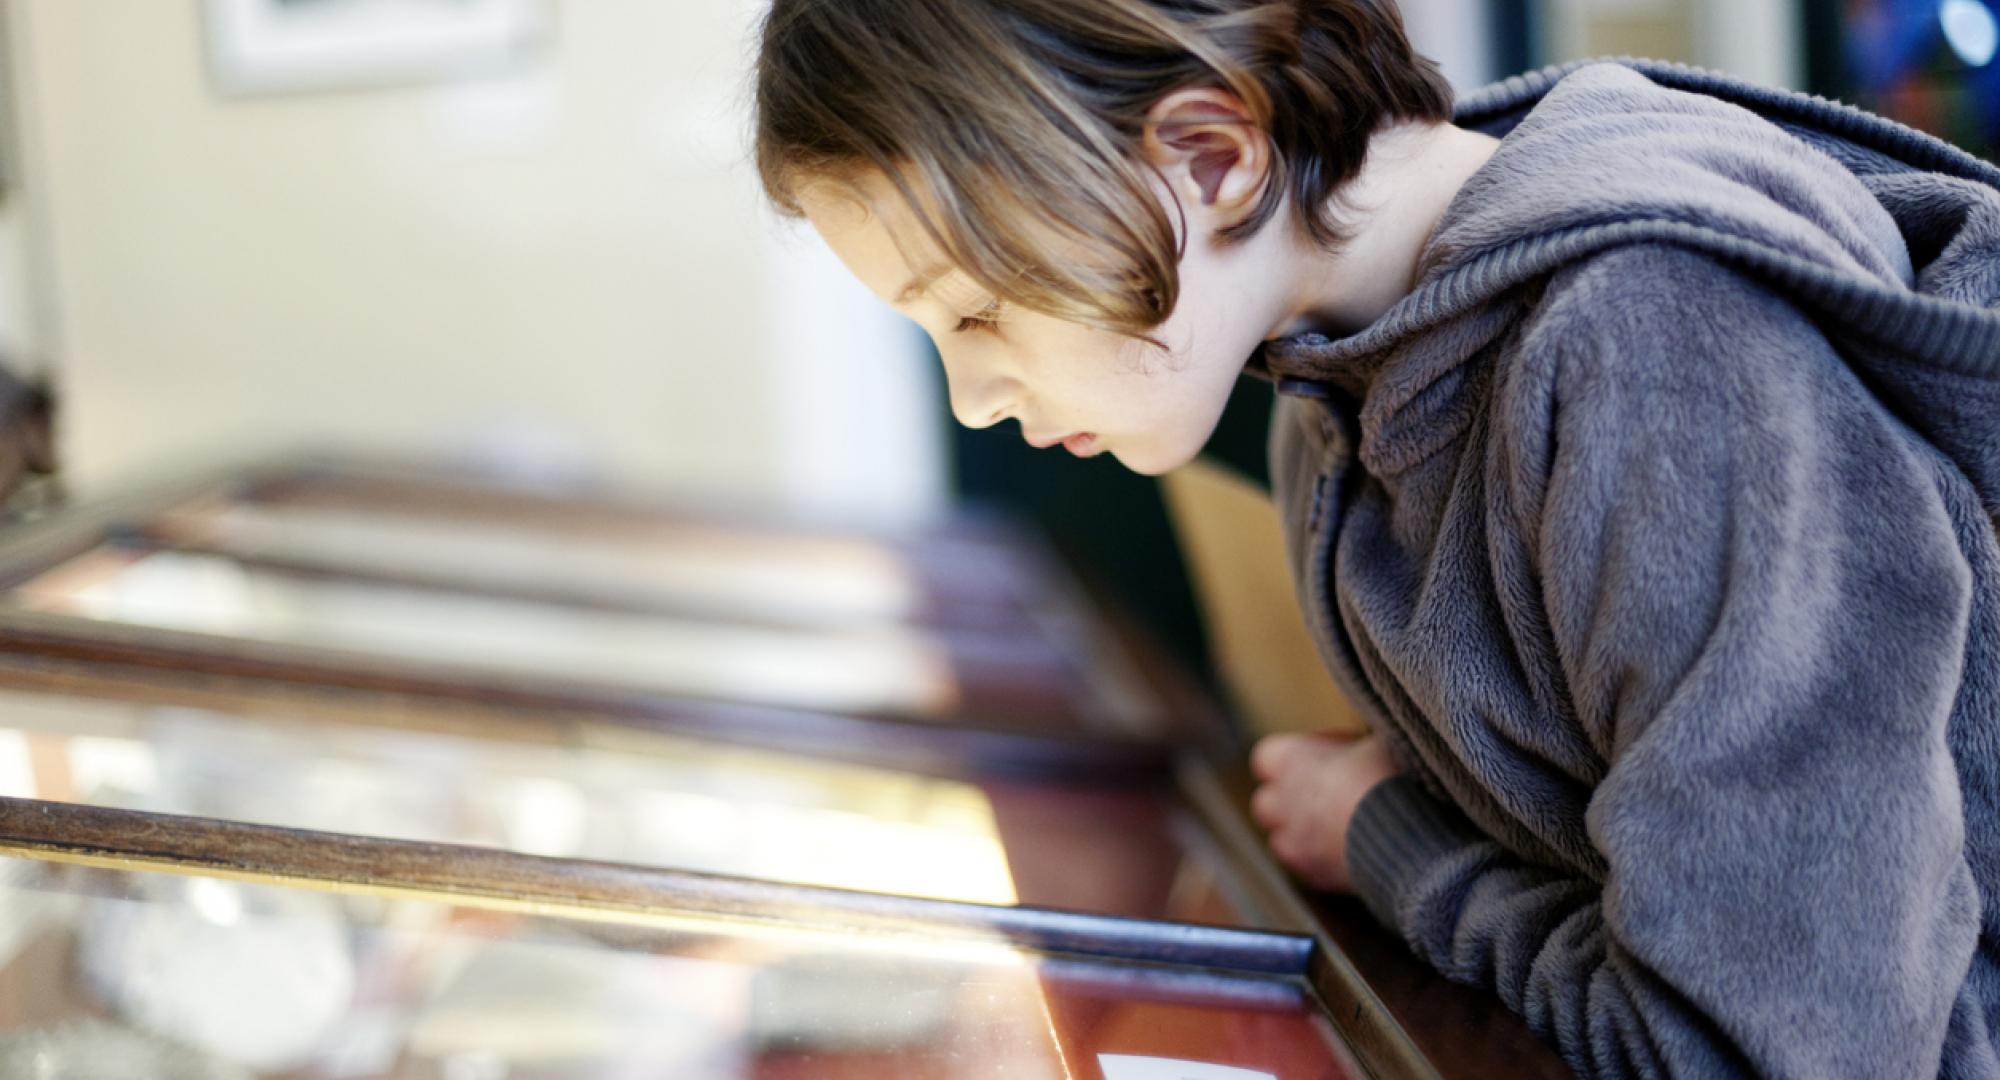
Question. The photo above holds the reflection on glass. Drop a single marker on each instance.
(134, 974)
(862, 669)
(644, 798)
(745, 574)
(685, 804)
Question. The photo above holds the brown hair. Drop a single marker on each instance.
(1019, 121)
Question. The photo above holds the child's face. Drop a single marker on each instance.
(1153, 409)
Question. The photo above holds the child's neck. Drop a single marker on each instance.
(1391, 208)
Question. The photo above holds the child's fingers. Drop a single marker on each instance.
(1273, 754)
(1268, 757)
(1264, 807)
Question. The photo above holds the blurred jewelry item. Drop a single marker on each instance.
(258, 976)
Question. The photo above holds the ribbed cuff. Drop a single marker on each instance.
(1398, 832)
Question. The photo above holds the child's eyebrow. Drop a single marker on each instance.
(925, 278)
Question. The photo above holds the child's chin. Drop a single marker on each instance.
(1149, 461)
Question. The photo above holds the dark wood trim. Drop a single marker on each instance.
(1361, 1017)
(580, 888)
(1464, 1032)
(126, 651)
(1399, 1014)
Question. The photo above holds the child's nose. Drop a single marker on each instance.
(979, 399)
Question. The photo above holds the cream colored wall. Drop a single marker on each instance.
(1455, 33)
(1662, 29)
(20, 346)
(19, 350)
(1756, 39)
(572, 261)
(1761, 40)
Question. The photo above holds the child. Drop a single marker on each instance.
(1639, 452)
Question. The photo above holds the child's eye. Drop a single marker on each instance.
(983, 319)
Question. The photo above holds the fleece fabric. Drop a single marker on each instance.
(1655, 530)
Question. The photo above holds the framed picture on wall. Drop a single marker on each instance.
(289, 46)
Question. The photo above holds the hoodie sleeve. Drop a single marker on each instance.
(1759, 606)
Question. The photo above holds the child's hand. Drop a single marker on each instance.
(1311, 787)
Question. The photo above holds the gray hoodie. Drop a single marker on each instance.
(1655, 532)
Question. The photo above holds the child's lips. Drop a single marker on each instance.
(1082, 445)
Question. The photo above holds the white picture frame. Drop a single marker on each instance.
(295, 46)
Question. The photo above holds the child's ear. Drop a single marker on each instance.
(1210, 150)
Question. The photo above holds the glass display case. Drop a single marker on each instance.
(327, 771)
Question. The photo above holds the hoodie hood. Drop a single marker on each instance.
(1888, 237)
